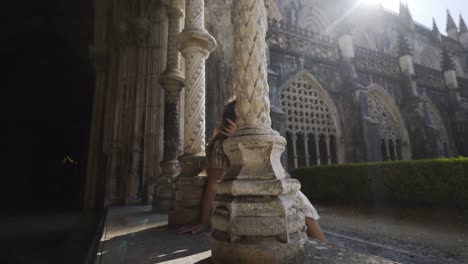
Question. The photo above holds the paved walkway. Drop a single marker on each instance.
(137, 235)
(416, 236)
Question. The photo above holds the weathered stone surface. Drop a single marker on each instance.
(258, 251)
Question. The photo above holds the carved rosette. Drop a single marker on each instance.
(195, 44)
(256, 216)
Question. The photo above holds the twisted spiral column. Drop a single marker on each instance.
(256, 216)
(195, 44)
(172, 80)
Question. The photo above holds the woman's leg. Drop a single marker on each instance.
(313, 230)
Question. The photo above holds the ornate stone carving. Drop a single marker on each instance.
(371, 61)
(194, 136)
(195, 44)
(435, 121)
(300, 40)
(307, 108)
(388, 127)
(256, 217)
(250, 72)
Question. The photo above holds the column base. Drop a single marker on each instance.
(256, 250)
(188, 191)
(165, 185)
(186, 204)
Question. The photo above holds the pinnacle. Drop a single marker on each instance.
(447, 60)
(435, 28)
(404, 46)
(463, 27)
(450, 22)
(404, 11)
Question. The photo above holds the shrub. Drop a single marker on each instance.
(438, 182)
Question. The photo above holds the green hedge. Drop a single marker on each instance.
(439, 182)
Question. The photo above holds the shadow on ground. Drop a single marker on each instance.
(156, 245)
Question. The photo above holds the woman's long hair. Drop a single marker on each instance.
(229, 112)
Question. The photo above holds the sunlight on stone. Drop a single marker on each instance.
(189, 259)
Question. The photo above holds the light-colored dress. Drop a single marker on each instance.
(219, 160)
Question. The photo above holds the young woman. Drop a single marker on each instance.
(218, 161)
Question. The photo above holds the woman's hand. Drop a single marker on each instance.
(194, 229)
(229, 128)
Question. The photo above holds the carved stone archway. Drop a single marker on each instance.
(313, 124)
(435, 120)
(395, 142)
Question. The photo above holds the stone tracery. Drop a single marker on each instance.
(392, 134)
(435, 121)
(313, 117)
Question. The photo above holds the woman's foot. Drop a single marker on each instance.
(314, 231)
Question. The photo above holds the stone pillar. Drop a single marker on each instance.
(317, 148)
(306, 149)
(294, 145)
(155, 98)
(172, 80)
(256, 217)
(346, 46)
(195, 44)
(450, 75)
(406, 64)
(135, 192)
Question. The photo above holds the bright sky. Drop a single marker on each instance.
(424, 10)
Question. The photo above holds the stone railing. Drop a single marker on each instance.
(302, 41)
(429, 77)
(375, 62)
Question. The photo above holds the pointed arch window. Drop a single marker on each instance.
(313, 131)
(434, 120)
(394, 139)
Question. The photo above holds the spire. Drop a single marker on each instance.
(450, 22)
(447, 60)
(404, 47)
(405, 12)
(435, 28)
(463, 28)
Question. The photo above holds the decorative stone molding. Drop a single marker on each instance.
(256, 217)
